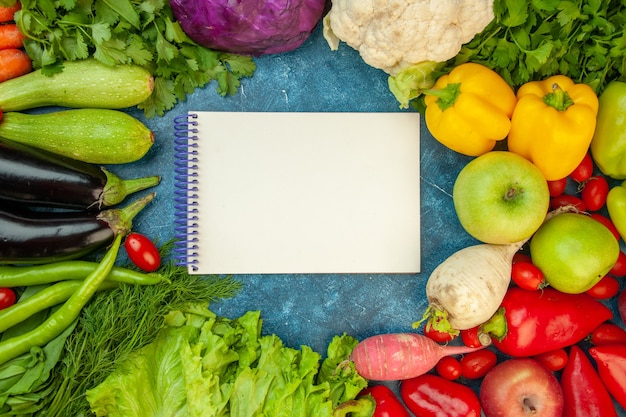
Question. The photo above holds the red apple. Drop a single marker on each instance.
(521, 387)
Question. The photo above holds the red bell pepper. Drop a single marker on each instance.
(430, 395)
(532, 322)
(584, 394)
(387, 403)
(611, 362)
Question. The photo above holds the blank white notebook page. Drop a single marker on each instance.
(308, 192)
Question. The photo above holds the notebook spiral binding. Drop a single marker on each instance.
(185, 250)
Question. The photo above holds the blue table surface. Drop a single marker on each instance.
(311, 308)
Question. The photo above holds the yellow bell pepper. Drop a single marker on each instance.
(553, 124)
(469, 109)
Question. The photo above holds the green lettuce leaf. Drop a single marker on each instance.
(209, 366)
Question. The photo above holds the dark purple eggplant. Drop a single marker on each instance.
(36, 236)
(35, 177)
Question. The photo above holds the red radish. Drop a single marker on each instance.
(398, 356)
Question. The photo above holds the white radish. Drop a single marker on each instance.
(466, 289)
(398, 356)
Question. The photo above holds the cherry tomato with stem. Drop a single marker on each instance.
(476, 364)
(475, 337)
(564, 200)
(437, 335)
(7, 297)
(557, 187)
(449, 368)
(594, 193)
(554, 360)
(607, 334)
(619, 269)
(607, 223)
(607, 287)
(528, 276)
(387, 403)
(584, 170)
(142, 252)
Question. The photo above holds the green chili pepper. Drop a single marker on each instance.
(608, 146)
(66, 314)
(46, 298)
(616, 206)
(19, 276)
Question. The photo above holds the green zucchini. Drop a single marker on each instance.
(84, 83)
(99, 136)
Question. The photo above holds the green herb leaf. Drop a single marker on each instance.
(126, 10)
(143, 32)
(533, 39)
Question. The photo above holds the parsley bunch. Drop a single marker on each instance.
(141, 32)
(534, 39)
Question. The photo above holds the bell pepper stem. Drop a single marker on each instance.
(446, 97)
(558, 98)
(496, 326)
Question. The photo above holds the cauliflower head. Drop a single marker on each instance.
(396, 34)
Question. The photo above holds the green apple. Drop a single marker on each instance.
(574, 251)
(501, 197)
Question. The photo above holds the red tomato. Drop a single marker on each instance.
(554, 360)
(142, 252)
(594, 193)
(584, 170)
(521, 256)
(7, 298)
(436, 335)
(476, 364)
(387, 403)
(449, 368)
(619, 269)
(527, 276)
(567, 200)
(606, 288)
(474, 337)
(607, 223)
(607, 333)
(557, 187)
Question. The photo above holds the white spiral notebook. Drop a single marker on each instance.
(260, 193)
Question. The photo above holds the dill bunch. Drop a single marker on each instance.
(118, 322)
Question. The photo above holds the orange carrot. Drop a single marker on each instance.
(7, 12)
(13, 63)
(10, 36)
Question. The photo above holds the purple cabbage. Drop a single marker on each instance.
(249, 27)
